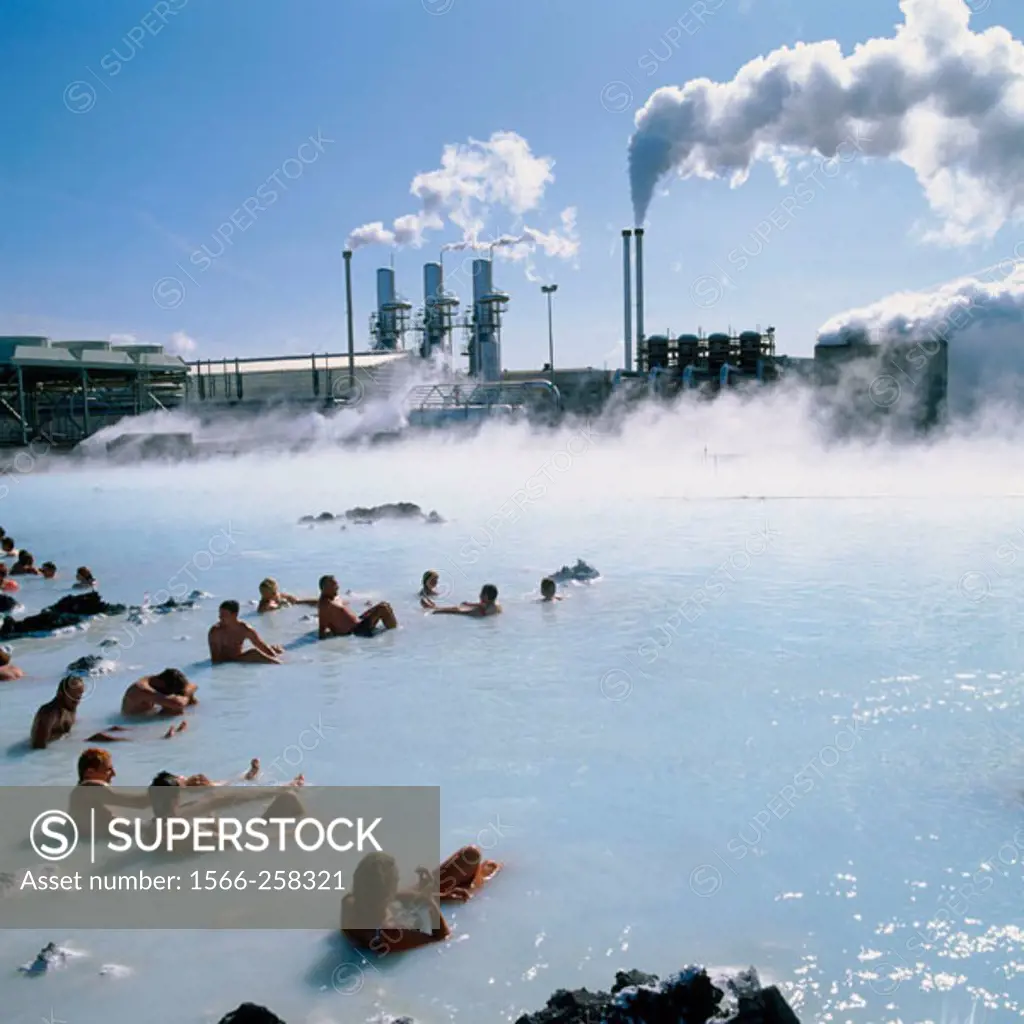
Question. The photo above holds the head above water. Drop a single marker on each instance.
(488, 593)
(268, 588)
(24, 558)
(172, 682)
(97, 764)
(328, 587)
(164, 803)
(70, 691)
(548, 587)
(84, 574)
(430, 580)
(5, 657)
(48, 569)
(7, 543)
(375, 880)
(229, 611)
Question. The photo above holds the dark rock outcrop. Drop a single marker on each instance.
(579, 573)
(68, 611)
(689, 997)
(250, 1013)
(50, 957)
(91, 665)
(368, 516)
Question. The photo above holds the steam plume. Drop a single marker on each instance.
(937, 97)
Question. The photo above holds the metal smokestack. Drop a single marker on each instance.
(351, 334)
(639, 232)
(628, 289)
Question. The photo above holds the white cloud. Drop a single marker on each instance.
(182, 345)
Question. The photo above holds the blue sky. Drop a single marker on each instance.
(131, 136)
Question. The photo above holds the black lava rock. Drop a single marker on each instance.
(689, 997)
(68, 611)
(580, 573)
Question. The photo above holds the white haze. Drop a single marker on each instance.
(936, 97)
(778, 444)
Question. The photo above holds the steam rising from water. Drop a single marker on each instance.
(776, 444)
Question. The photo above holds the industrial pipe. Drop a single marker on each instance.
(628, 289)
(351, 334)
(639, 288)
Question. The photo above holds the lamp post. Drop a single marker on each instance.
(549, 290)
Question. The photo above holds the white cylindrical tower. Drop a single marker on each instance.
(627, 285)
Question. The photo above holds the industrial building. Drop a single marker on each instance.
(63, 391)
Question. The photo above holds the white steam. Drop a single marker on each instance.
(943, 100)
(982, 321)
(474, 180)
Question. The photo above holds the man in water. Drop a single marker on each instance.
(8, 672)
(94, 792)
(337, 619)
(548, 590)
(56, 717)
(487, 605)
(229, 636)
(168, 693)
(48, 571)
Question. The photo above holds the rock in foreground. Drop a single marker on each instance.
(689, 997)
(68, 611)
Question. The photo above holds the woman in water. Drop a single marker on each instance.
(84, 579)
(272, 598)
(375, 897)
(428, 589)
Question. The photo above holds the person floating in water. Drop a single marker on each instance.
(84, 579)
(48, 571)
(229, 635)
(8, 672)
(56, 717)
(168, 693)
(487, 605)
(8, 548)
(7, 585)
(549, 590)
(24, 565)
(272, 598)
(337, 619)
(375, 896)
(428, 589)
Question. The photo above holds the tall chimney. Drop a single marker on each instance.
(628, 288)
(351, 334)
(639, 232)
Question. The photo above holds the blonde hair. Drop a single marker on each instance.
(269, 584)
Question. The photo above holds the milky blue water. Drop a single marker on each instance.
(784, 732)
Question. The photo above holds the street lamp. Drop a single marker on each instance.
(549, 290)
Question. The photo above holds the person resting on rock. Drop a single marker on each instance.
(84, 579)
(168, 693)
(228, 637)
(24, 565)
(375, 896)
(8, 672)
(272, 598)
(337, 619)
(428, 589)
(487, 605)
(56, 717)
(549, 590)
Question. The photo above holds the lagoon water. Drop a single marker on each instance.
(785, 728)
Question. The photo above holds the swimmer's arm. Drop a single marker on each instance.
(453, 610)
(259, 643)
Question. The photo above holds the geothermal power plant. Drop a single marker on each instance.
(64, 391)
